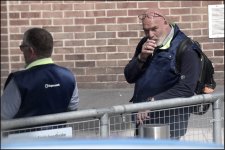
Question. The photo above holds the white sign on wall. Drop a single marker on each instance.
(61, 132)
(216, 21)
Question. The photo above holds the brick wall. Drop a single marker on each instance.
(96, 39)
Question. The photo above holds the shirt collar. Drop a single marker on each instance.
(167, 40)
(40, 62)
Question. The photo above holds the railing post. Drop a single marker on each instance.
(217, 137)
(104, 125)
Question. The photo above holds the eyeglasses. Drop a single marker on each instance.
(22, 46)
(150, 15)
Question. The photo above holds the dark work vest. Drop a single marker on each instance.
(44, 89)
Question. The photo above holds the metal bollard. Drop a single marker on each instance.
(154, 131)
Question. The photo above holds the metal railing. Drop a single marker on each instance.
(104, 127)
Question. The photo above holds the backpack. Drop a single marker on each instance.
(206, 83)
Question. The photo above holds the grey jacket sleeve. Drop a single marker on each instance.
(10, 101)
(73, 105)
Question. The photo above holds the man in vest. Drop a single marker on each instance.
(43, 87)
(153, 70)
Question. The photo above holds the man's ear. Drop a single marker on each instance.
(32, 52)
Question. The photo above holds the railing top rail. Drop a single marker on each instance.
(162, 104)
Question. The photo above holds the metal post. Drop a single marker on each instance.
(104, 125)
(217, 137)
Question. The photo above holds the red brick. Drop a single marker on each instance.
(206, 3)
(106, 35)
(127, 20)
(13, 15)
(51, 14)
(14, 29)
(4, 44)
(95, 28)
(96, 42)
(95, 13)
(180, 11)
(127, 34)
(40, 7)
(74, 57)
(199, 25)
(15, 58)
(191, 18)
(15, 43)
(30, 15)
(106, 49)
(95, 56)
(94, 71)
(84, 35)
(4, 66)
(84, 21)
(84, 50)
(73, 28)
(134, 41)
(117, 42)
(84, 6)
(116, 27)
(62, 21)
(199, 11)
(135, 27)
(127, 5)
(190, 3)
(136, 12)
(105, 20)
(117, 56)
(85, 64)
(58, 43)
(3, 37)
(185, 25)
(106, 63)
(115, 70)
(66, 35)
(103, 78)
(74, 13)
(4, 58)
(105, 6)
(78, 71)
(53, 29)
(19, 8)
(64, 50)
(116, 13)
(169, 4)
(65, 64)
(213, 46)
(57, 57)
(41, 22)
(219, 67)
(86, 78)
(17, 65)
(62, 7)
(18, 22)
(74, 43)
(129, 48)
(147, 5)
(16, 37)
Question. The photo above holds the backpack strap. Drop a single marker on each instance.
(180, 50)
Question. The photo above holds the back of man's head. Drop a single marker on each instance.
(40, 40)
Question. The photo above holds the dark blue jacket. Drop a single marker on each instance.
(158, 78)
(44, 89)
